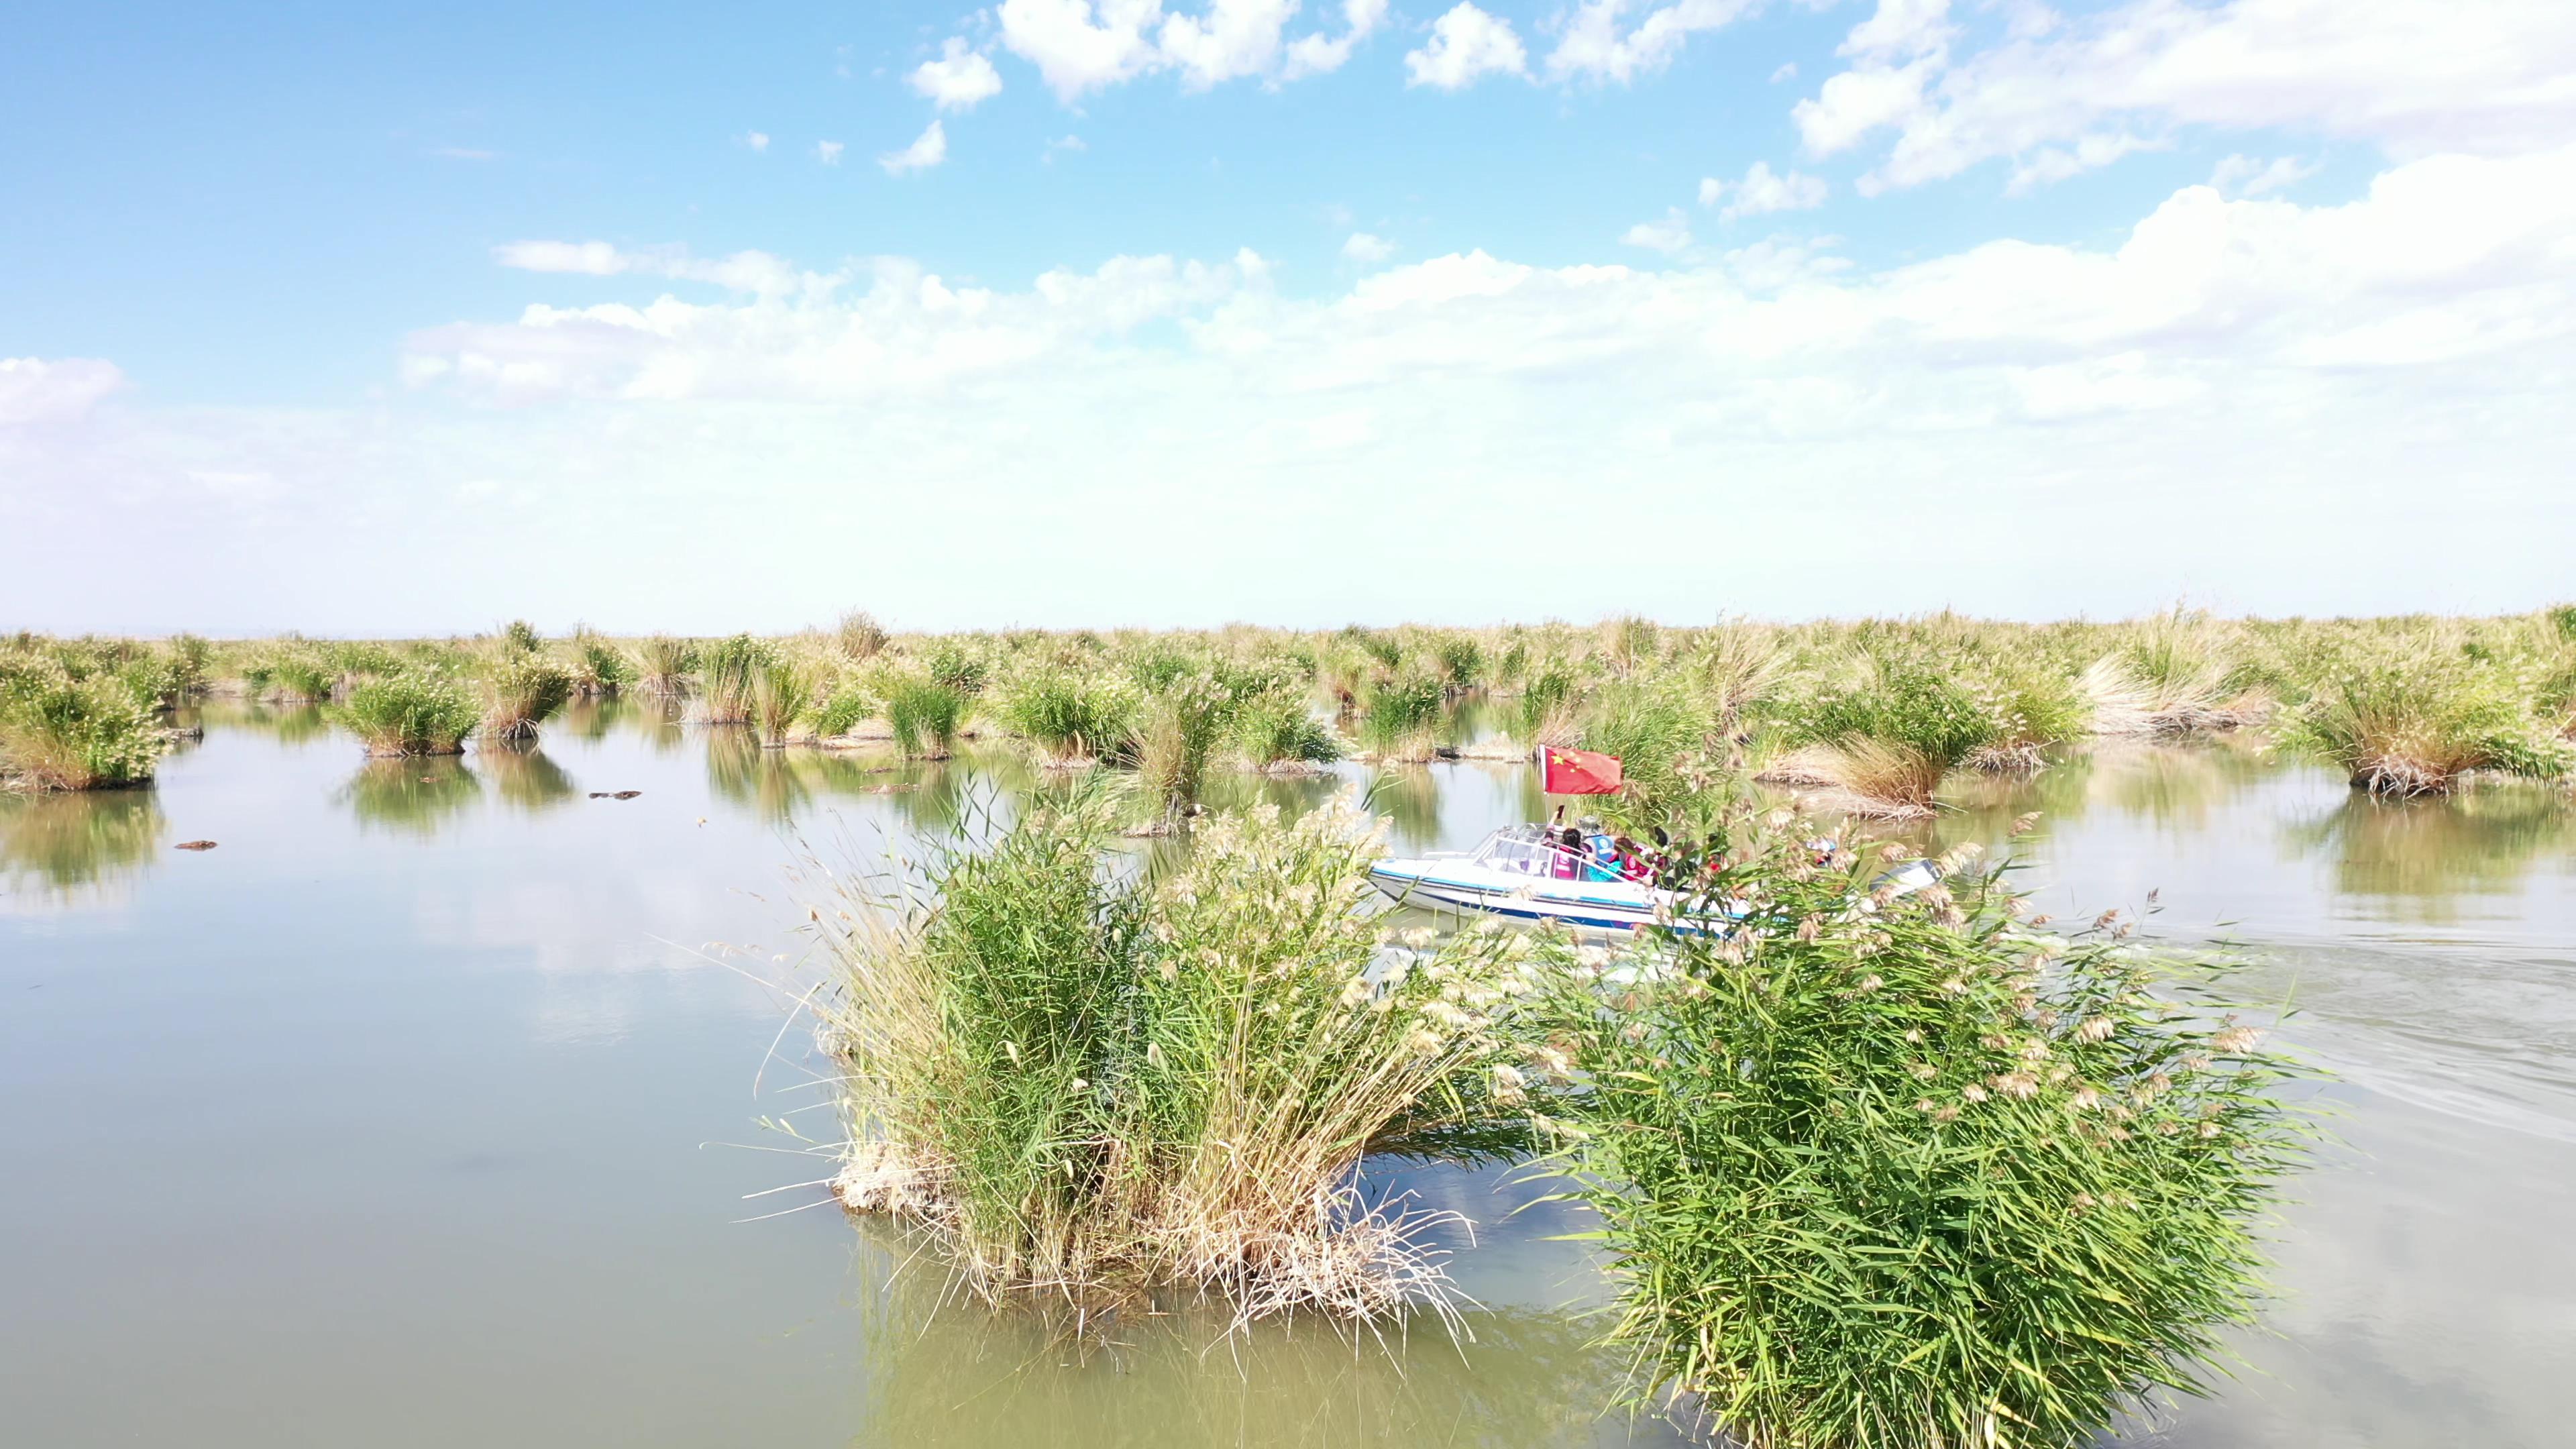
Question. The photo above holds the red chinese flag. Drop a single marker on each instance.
(1580, 772)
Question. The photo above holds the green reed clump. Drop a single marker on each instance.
(1085, 1081)
(1278, 734)
(1400, 715)
(1072, 717)
(956, 667)
(1178, 728)
(1549, 709)
(412, 713)
(2413, 721)
(599, 667)
(780, 691)
(1882, 1171)
(1655, 728)
(727, 671)
(58, 732)
(842, 708)
(1884, 726)
(521, 636)
(926, 715)
(306, 678)
(1461, 660)
(521, 689)
(663, 665)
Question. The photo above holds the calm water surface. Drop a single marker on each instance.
(422, 1111)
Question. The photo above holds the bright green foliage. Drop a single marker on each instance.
(1401, 711)
(600, 667)
(1462, 660)
(1177, 729)
(302, 676)
(521, 689)
(663, 665)
(413, 713)
(779, 694)
(1910, 699)
(956, 667)
(1904, 1174)
(1276, 730)
(522, 636)
(841, 710)
(726, 671)
(2413, 721)
(1654, 729)
(926, 715)
(62, 733)
(1546, 706)
(1080, 1078)
(1072, 716)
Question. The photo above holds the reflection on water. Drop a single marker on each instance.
(57, 844)
(413, 795)
(944, 1371)
(525, 1212)
(2414, 860)
(524, 776)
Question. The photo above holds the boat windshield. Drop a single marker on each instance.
(1524, 850)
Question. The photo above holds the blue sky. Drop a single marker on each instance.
(1308, 313)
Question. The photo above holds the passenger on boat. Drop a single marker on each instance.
(1569, 855)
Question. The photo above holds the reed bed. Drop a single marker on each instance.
(422, 713)
(521, 690)
(1086, 1083)
(60, 730)
(1909, 1171)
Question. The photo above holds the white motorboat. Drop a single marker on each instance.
(1518, 872)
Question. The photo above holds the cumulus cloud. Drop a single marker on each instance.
(2006, 395)
(1671, 234)
(2060, 95)
(36, 389)
(2252, 176)
(1367, 249)
(927, 150)
(1081, 46)
(746, 271)
(829, 152)
(1598, 44)
(757, 140)
(960, 80)
(1466, 43)
(1762, 192)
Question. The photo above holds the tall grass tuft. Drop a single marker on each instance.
(780, 691)
(1400, 716)
(1883, 1172)
(62, 733)
(663, 665)
(926, 715)
(727, 671)
(859, 637)
(1084, 1082)
(413, 713)
(1072, 718)
(1883, 729)
(521, 688)
(2415, 720)
(599, 667)
(1177, 730)
(1279, 736)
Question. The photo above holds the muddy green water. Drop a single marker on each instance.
(399, 1118)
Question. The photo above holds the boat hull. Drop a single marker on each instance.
(1597, 905)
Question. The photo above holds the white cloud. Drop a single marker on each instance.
(927, 150)
(757, 140)
(1466, 43)
(1761, 192)
(1670, 234)
(34, 389)
(1317, 54)
(829, 152)
(747, 271)
(1047, 153)
(2061, 95)
(959, 80)
(1595, 46)
(2252, 176)
(1367, 249)
(1081, 46)
(1788, 71)
(2339, 354)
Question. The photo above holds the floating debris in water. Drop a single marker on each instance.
(196, 845)
(614, 794)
